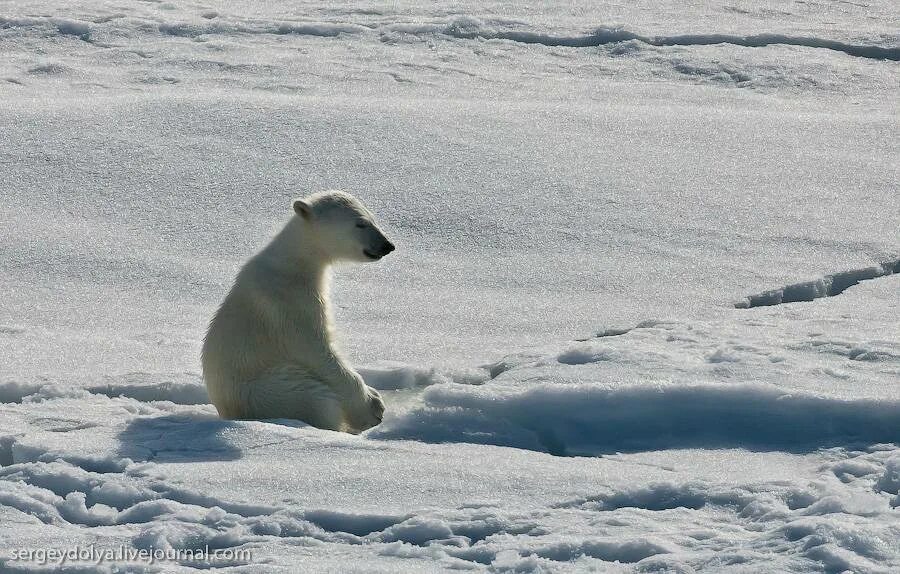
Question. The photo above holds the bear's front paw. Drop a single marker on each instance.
(376, 405)
(369, 412)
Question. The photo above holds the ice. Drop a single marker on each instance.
(641, 318)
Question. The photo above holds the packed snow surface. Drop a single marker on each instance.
(642, 316)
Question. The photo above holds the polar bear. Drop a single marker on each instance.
(269, 351)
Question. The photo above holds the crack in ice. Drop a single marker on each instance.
(601, 36)
(827, 286)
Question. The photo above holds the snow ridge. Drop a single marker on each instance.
(64, 26)
(592, 420)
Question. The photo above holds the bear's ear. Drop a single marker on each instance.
(302, 208)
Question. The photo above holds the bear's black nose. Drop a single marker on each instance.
(387, 247)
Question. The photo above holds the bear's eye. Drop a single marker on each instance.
(362, 224)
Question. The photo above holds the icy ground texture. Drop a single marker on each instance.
(581, 196)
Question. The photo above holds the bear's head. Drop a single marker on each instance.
(342, 229)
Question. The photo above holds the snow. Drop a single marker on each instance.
(641, 318)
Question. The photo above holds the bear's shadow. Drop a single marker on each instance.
(185, 438)
(178, 438)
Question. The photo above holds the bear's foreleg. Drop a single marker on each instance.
(362, 405)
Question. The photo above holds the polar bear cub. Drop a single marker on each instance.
(269, 350)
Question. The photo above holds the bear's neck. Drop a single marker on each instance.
(292, 256)
(295, 251)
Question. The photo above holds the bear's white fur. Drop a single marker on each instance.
(269, 350)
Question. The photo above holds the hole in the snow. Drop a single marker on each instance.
(15, 392)
(6, 450)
